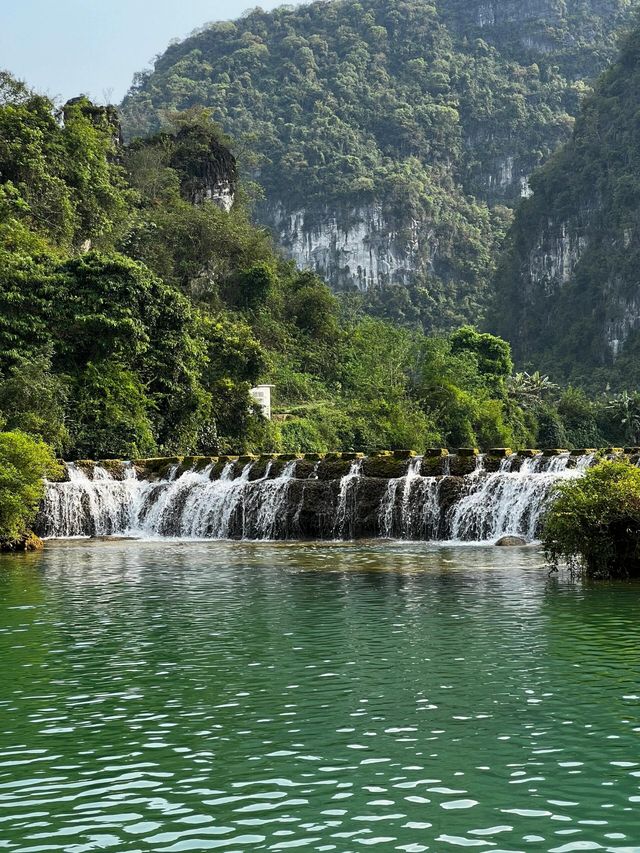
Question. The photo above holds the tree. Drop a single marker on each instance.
(493, 354)
(593, 523)
(33, 400)
(530, 389)
(624, 412)
(110, 414)
(24, 461)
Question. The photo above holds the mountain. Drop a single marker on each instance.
(393, 136)
(569, 287)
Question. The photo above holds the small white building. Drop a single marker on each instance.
(262, 395)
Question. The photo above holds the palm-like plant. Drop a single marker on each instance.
(625, 412)
(530, 388)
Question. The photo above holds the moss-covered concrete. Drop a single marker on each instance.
(384, 467)
(381, 464)
(333, 468)
(114, 467)
(435, 466)
(259, 468)
(451, 491)
(156, 469)
(492, 463)
(305, 468)
(247, 459)
(460, 465)
(196, 463)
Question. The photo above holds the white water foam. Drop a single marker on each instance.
(193, 505)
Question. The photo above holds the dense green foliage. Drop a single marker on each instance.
(593, 523)
(140, 329)
(567, 292)
(24, 462)
(99, 354)
(403, 104)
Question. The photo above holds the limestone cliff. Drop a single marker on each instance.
(361, 247)
(569, 287)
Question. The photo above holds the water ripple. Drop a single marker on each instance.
(166, 697)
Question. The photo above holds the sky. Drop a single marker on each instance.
(64, 48)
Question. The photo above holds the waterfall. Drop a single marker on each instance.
(410, 508)
(81, 507)
(191, 505)
(347, 496)
(279, 503)
(510, 502)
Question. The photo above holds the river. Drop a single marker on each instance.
(167, 696)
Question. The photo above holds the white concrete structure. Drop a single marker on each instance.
(262, 395)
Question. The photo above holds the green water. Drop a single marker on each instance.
(233, 697)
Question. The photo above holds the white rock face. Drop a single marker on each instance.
(497, 12)
(626, 320)
(525, 188)
(553, 260)
(354, 248)
(486, 15)
(222, 194)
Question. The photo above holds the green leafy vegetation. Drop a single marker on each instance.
(427, 114)
(594, 522)
(24, 462)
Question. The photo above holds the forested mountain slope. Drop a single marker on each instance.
(569, 287)
(392, 133)
(139, 305)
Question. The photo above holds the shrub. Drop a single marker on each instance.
(593, 523)
(24, 461)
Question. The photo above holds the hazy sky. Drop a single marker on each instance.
(68, 47)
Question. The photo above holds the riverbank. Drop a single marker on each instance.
(27, 542)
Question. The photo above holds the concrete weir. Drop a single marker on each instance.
(438, 495)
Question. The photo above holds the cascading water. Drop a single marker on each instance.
(191, 505)
(280, 504)
(347, 497)
(511, 503)
(410, 508)
(81, 507)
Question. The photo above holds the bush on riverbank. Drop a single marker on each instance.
(594, 522)
(24, 462)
